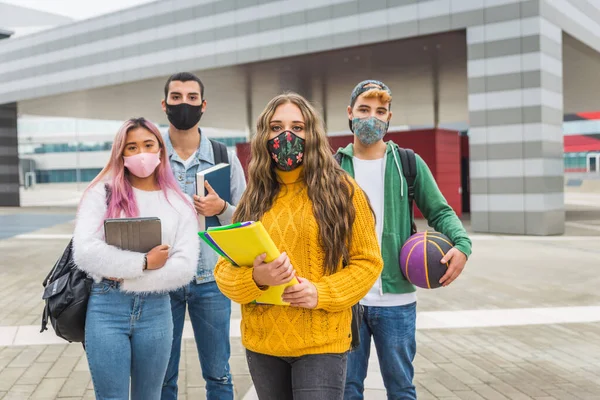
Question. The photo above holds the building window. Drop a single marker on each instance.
(66, 175)
(575, 162)
(231, 141)
(69, 147)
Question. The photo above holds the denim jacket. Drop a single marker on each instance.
(204, 158)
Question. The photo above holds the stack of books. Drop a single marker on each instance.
(240, 243)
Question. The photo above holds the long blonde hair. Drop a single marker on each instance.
(329, 187)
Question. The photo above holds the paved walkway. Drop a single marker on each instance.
(521, 323)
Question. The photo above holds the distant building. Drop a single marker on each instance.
(75, 150)
(582, 142)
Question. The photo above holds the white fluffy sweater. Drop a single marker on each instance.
(99, 260)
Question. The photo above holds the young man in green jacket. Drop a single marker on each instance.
(390, 306)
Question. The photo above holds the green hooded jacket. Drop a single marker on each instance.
(396, 224)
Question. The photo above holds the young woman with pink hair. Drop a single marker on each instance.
(129, 328)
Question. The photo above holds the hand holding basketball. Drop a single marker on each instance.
(456, 260)
(429, 260)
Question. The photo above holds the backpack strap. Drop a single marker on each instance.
(338, 157)
(44, 326)
(219, 152)
(409, 170)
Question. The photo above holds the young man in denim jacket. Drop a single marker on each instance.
(390, 307)
(210, 311)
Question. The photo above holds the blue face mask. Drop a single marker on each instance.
(369, 130)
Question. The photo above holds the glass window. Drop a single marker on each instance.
(66, 175)
(575, 161)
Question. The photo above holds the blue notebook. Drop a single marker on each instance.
(219, 178)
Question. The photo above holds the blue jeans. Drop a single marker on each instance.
(393, 330)
(210, 312)
(127, 335)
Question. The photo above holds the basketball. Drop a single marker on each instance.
(420, 259)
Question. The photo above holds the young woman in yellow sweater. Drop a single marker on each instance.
(322, 223)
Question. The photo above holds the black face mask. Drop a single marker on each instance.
(184, 116)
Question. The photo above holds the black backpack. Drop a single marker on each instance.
(408, 161)
(219, 152)
(66, 294)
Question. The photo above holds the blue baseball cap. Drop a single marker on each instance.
(365, 86)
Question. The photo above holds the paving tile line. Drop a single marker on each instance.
(29, 335)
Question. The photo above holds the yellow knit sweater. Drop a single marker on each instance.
(286, 331)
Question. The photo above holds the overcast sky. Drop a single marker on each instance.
(72, 9)
(77, 9)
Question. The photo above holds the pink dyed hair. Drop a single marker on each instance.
(115, 174)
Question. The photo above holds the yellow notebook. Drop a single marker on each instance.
(241, 243)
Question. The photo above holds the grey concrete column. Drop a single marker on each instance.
(297, 79)
(516, 112)
(9, 156)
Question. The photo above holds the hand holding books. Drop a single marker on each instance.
(157, 257)
(211, 204)
(211, 199)
(303, 294)
(281, 271)
(275, 273)
(141, 235)
(240, 243)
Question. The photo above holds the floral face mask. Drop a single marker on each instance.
(287, 150)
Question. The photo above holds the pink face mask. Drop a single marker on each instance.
(142, 165)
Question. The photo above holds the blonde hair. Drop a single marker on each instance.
(382, 95)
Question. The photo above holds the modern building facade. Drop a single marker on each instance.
(509, 68)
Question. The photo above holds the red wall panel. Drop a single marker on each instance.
(439, 148)
(243, 153)
(448, 167)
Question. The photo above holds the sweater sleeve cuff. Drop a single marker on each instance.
(464, 248)
(249, 288)
(239, 287)
(324, 300)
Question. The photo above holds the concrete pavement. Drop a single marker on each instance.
(521, 323)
